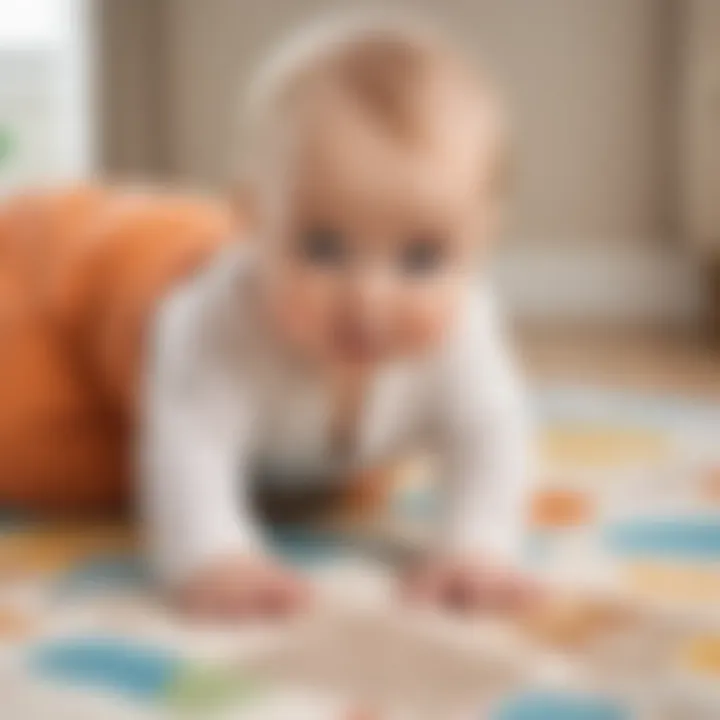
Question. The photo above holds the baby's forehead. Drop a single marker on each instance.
(338, 151)
(368, 181)
(381, 101)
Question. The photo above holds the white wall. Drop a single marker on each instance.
(45, 103)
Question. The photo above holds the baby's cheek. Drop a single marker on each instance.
(426, 323)
(301, 316)
(300, 320)
(287, 313)
(419, 332)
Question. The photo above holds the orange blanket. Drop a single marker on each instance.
(81, 272)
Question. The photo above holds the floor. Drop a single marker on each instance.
(650, 361)
(98, 644)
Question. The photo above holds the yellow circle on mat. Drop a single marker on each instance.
(702, 655)
(597, 446)
(675, 582)
(56, 547)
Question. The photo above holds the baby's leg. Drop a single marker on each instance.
(81, 273)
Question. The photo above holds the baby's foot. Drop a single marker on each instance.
(470, 584)
(243, 587)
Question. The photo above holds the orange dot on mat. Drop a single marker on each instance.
(561, 508)
(711, 489)
(15, 625)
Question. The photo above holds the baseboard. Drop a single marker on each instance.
(631, 283)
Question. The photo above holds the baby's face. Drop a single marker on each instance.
(370, 241)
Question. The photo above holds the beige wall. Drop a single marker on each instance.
(593, 85)
(699, 125)
(129, 85)
(585, 79)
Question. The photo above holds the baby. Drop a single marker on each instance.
(349, 328)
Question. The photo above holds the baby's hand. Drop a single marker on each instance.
(470, 584)
(243, 587)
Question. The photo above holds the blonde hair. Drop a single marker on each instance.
(386, 65)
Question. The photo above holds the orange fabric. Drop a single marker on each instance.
(81, 273)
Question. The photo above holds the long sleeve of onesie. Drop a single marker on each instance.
(195, 428)
(484, 440)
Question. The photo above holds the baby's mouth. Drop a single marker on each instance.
(354, 344)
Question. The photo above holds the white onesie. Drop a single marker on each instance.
(223, 399)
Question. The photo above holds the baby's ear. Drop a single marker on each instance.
(243, 201)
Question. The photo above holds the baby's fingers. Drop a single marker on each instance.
(284, 594)
(423, 585)
(470, 587)
(242, 588)
(217, 599)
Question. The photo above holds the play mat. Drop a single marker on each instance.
(627, 509)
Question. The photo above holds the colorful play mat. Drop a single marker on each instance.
(627, 506)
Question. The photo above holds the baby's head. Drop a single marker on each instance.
(373, 169)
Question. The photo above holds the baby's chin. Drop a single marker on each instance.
(343, 350)
(366, 355)
(351, 349)
(360, 359)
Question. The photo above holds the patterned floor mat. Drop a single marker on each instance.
(628, 502)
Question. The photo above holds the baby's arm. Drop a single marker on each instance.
(485, 444)
(202, 537)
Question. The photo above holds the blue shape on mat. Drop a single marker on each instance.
(696, 538)
(131, 670)
(559, 706)
(305, 546)
(103, 572)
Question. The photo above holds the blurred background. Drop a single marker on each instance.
(614, 241)
(610, 270)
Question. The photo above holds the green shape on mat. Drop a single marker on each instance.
(208, 689)
(7, 143)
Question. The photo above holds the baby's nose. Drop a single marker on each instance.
(370, 294)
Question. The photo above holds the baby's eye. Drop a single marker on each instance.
(323, 246)
(422, 256)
